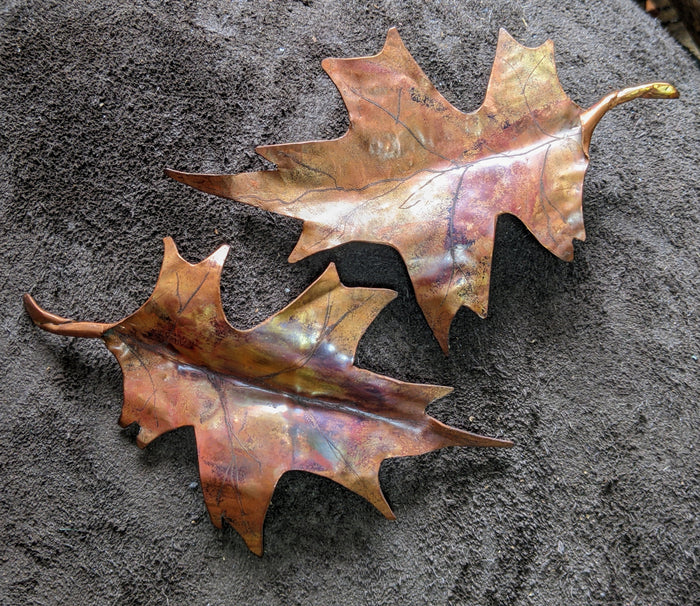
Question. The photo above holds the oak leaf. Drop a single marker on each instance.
(284, 395)
(415, 173)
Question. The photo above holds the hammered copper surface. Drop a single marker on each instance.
(417, 174)
(283, 395)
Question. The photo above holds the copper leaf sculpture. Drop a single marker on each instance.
(415, 173)
(283, 395)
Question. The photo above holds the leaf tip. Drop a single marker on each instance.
(465, 438)
(256, 549)
(169, 247)
(326, 66)
(175, 174)
(376, 497)
(501, 443)
(252, 537)
(125, 420)
(297, 255)
(440, 391)
(446, 435)
(393, 42)
(330, 273)
(393, 35)
(504, 37)
(144, 437)
(218, 257)
(215, 184)
(388, 294)
(442, 334)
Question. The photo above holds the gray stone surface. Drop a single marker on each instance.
(590, 367)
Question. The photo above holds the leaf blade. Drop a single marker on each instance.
(284, 395)
(417, 174)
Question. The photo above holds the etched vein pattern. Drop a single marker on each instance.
(417, 174)
(284, 395)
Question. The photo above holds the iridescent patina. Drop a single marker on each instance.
(417, 174)
(283, 395)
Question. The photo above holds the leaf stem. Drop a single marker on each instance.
(652, 90)
(62, 326)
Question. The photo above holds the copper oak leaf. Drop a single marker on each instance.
(415, 173)
(283, 395)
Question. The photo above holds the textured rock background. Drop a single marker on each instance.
(590, 367)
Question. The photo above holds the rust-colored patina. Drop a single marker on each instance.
(417, 174)
(283, 395)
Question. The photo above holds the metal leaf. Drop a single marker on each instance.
(284, 395)
(417, 174)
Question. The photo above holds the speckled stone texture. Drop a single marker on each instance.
(590, 367)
